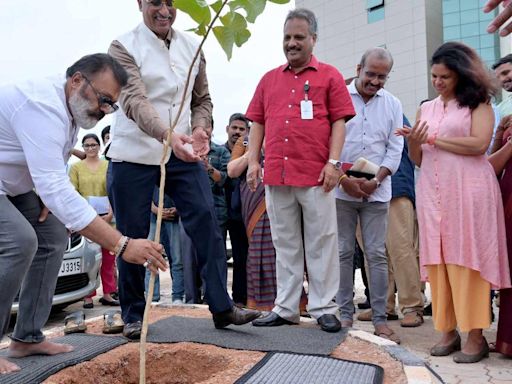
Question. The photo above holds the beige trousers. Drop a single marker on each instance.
(403, 268)
(460, 298)
(320, 247)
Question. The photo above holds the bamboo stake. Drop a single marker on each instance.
(151, 285)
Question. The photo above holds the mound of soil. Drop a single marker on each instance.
(193, 363)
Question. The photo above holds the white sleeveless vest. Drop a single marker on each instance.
(164, 73)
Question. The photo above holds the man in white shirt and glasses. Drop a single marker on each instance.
(371, 135)
(39, 121)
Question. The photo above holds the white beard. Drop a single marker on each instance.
(79, 107)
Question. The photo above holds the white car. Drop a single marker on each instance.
(79, 272)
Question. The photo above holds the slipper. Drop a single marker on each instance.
(389, 336)
(75, 323)
(112, 321)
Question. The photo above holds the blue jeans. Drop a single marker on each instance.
(170, 239)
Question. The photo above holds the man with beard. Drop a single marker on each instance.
(300, 108)
(238, 126)
(503, 70)
(157, 58)
(39, 121)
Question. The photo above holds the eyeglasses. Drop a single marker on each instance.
(106, 104)
(90, 146)
(373, 75)
(159, 3)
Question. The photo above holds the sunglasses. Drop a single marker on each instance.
(159, 3)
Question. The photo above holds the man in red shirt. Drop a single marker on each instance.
(300, 109)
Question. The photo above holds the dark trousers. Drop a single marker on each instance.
(239, 248)
(188, 185)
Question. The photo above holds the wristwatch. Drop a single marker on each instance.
(210, 171)
(335, 163)
(377, 181)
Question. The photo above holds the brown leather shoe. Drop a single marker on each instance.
(368, 316)
(236, 316)
(445, 350)
(411, 320)
(462, 358)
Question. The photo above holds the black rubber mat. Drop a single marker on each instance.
(286, 338)
(35, 369)
(292, 368)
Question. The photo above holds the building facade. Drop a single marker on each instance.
(410, 29)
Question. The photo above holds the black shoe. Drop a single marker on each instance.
(132, 330)
(112, 303)
(364, 305)
(271, 320)
(329, 323)
(88, 305)
(236, 316)
(427, 311)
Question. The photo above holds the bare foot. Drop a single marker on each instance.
(19, 349)
(7, 367)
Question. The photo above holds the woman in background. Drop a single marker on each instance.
(89, 177)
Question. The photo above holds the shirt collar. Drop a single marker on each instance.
(353, 90)
(170, 35)
(313, 64)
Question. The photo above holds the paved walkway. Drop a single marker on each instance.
(495, 370)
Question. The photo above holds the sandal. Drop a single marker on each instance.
(389, 336)
(112, 321)
(112, 303)
(75, 323)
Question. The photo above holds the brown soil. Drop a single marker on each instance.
(186, 363)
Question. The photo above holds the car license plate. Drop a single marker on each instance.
(70, 267)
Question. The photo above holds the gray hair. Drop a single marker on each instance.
(305, 14)
(380, 53)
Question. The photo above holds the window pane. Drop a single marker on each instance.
(488, 16)
(450, 19)
(452, 33)
(373, 3)
(488, 54)
(487, 40)
(470, 16)
(376, 14)
(467, 30)
(451, 6)
(469, 4)
(473, 42)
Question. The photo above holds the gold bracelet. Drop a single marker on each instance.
(341, 178)
(119, 244)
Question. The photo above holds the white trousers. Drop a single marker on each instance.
(319, 244)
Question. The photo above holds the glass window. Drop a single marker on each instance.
(375, 14)
(488, 54)
(450, 19)
(473, 42)
(467, 30)
(469, 4)
(451, 6)
(483, 27)
(487, 40)
(452, 33)
(470, 16)
(373, 3)
(488, 16)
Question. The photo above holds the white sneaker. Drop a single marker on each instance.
(177, 302)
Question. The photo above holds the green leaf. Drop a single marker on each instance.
(216, 6)
(233, 31)
(198, 10)
(279, 1)
(253, 8)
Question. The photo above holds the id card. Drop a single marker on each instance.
(306, 110)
